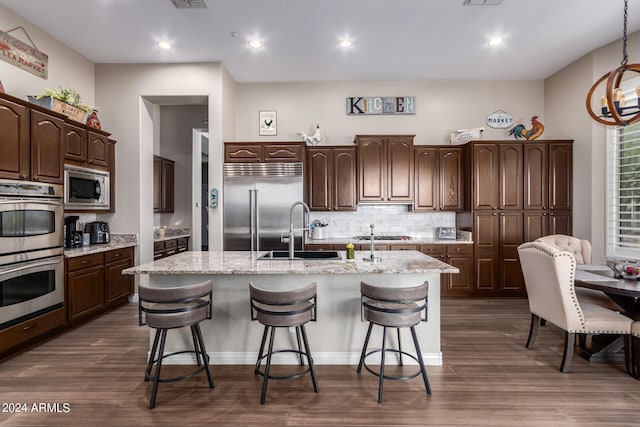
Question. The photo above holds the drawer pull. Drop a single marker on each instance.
(26, 328)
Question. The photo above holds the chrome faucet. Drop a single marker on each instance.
(372, 254)
(292, 230)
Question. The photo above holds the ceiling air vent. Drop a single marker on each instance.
(189, 4)
(481, 2)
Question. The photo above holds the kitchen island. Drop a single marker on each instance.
(338, 334)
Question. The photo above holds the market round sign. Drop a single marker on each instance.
(499, 120)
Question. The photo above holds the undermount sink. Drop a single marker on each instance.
(284, 255)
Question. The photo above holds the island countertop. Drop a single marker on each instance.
(244, 262)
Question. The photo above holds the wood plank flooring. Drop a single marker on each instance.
(488, 378)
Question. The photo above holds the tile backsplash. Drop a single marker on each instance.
(388, 220)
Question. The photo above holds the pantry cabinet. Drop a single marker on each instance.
(385, 168)
(331, 178)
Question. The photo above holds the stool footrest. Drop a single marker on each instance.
(183, 377)
(391, 377)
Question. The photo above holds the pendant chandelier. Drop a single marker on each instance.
(613, 108)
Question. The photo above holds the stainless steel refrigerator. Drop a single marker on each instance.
(256, 202)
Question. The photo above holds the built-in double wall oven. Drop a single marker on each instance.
(31, 250)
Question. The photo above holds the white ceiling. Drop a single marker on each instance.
(393, 39)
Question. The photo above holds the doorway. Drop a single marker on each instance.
(200, 190)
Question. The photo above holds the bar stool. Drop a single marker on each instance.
(393, 308)
(283, 309)
(172, 308)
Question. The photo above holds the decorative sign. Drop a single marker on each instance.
(23, 56)
(381, 105)
(499, 120)
(268, 123)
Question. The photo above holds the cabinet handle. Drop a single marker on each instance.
(551, 214)
(26, 328)
(494, 214)
(117, 255)
(84, 262)
(494, 208)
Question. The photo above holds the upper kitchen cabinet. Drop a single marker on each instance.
(385, 168)
(438, 179)
(86, 147)
(31, 142)
(14, 140)
(47, 148)
(163, 188)
(257, 152)
(331, 178)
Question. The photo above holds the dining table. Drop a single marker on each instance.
(626, 293)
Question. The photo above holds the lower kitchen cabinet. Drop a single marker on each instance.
(459, 256)
(30, 331)
(165, 248)
(95, 283)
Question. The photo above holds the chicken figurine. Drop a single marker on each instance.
(313, 139)
(518, 131)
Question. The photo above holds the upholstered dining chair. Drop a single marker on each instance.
(633, 353)
(581, 251)
(549, 275)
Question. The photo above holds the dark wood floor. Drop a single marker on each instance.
(488, 378)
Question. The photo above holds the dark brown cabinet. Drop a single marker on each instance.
(385, 168)
(518, 192)
(15, 142)
(165, 248)
(30, 331)
(331, 178)
(459, 256)
(95, 283)
(31, 142)
(86, 148)
(118, 286)
(85, 287)
(438, 182)
(256, 152)
(163, 185)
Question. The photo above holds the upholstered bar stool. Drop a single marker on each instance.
(173, 308)
(394, 308)
(283, 309)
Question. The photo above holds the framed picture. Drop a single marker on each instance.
(268, 123)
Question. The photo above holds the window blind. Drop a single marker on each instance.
(623, 185)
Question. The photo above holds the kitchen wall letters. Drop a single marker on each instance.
(381, 105)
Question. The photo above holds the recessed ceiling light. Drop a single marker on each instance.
(495, 41)
(164, 45)
(257, 44)
(345, 43)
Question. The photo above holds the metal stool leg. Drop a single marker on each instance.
(380, 384)
(399, 347)
(299, 347)
(195, 344)
(261, 351)
(266, 369)
(152, 355)
(314, 380)
(205, 356)
(364, 347)
(420, 361)
(156, 378)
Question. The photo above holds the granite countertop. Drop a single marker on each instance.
(171, 233)
(118, 241)
(244, 262)
(412, 241)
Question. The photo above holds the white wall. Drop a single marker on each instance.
(124, 91)
(67, 68)
(441, 108)
(565, 95)
(176, 128)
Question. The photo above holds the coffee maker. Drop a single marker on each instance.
(72, 232)
(98, 231)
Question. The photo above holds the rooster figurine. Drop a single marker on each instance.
(518, 131)
(313, 139)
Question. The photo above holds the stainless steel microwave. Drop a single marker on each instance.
(86, 188)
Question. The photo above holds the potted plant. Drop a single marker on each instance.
(65, 101)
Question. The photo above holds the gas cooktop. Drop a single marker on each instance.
(383, 238)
